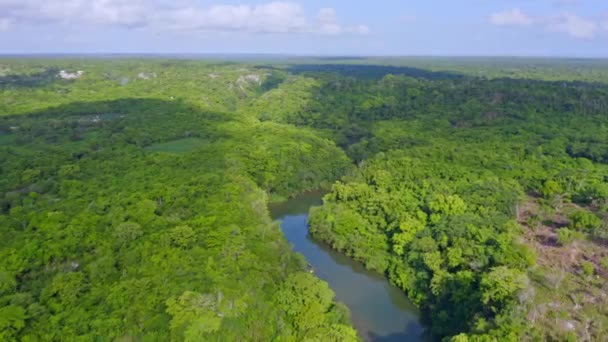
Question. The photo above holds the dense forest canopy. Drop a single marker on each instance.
(135, 192)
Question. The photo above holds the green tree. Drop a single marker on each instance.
(194, 315)
(127, 231)
(12, 320)
(182, 236)
(500, 285)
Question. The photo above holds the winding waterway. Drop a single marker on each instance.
(380, 312)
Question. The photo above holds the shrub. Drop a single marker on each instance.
(566, 236)
(584, 221)
(588, 268)
(551, 188)
(604, 263)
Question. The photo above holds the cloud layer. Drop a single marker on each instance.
(568, 23)
(271, 17)
(573, 25)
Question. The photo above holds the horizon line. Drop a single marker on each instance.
(292, 55)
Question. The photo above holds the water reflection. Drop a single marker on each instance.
(379, 311)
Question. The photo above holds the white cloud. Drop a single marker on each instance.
(104, 12)
(513, 17)
(361, 29)
(119, 12)
(568, 23)
(278, 17)
(271, 17)
(574, 26)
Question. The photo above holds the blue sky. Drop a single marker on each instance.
(576, 28)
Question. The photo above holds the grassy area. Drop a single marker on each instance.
(7, 139)
(176, 146)
(569, 302)
(569, 305)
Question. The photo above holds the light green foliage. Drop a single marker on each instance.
(588, 268)
(8, 283)
(604, 263)
(65, 289)
(30, 175)
(584, 221)
(12, 320)
(127, 231)
(284, 103)
(182, 236)
(408, 229)
(441, 205)
(565, 236)
(501, 284)
(460, 338)
(551, 188)
(193, 316)
(307, 300)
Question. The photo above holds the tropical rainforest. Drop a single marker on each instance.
(134, 195)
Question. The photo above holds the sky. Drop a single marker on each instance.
(567, 28)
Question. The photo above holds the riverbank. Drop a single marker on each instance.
(379, 310)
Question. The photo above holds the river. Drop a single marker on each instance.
(379, 311)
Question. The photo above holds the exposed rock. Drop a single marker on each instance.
(249, 78)
(146, 76)
(70, 75)
(4, 70)
(568, 325)
(244, 80)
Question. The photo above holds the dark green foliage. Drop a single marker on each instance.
(273, 81)
(35, 79)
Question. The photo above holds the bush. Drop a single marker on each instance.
(588, 268)
(551, 188)
(601, 231)
(584, 221)
(604, 263)
(566, 236)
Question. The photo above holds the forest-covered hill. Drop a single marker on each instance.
(135, 192)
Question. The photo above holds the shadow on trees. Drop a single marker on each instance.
(138, 121)
(40, 79)
(372, 71)
(133, 106)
